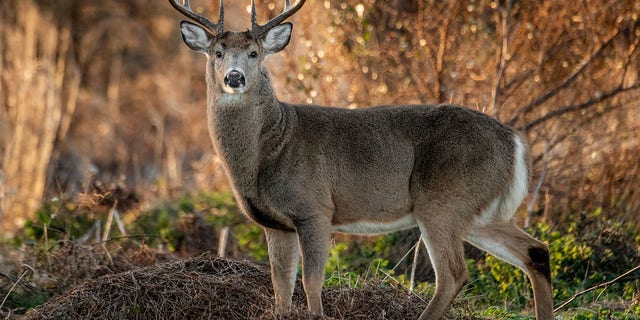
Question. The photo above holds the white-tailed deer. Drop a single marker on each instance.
(303, 172)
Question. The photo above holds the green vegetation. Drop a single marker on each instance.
(584, 255)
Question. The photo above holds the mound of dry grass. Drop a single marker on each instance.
(209, 287)
(199, 288)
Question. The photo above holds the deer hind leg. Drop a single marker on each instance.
(511, 244)
(445, 247)
(283, 258)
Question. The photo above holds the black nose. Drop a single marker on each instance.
(234, 79)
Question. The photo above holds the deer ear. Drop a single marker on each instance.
(196, 37)
(277, 38)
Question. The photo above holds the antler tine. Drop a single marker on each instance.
(259, 30)
(185, 9)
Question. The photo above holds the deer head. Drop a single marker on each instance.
(235, 58)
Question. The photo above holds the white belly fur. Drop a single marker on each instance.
(374, 227)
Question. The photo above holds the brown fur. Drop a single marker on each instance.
(455, 173)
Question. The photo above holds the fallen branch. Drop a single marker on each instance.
(605, 284)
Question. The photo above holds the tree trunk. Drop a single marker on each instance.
(35, 69)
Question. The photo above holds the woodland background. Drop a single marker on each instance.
(106, 91)
(103, 95)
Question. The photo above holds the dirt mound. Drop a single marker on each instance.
(209, 287)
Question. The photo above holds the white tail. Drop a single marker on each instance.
(303, 172)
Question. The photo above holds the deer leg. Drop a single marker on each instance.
(283, 258)
(511, 244)
(445, 248)
(314, 236)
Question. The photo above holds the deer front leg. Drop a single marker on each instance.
(283, 258)
(315, 238)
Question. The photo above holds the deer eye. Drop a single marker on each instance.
(218, 54)
(253, 54)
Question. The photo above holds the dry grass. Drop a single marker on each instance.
(208, 287)
(203, 287)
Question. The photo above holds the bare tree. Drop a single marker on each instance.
(36, 109)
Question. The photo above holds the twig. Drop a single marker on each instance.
(107, 225)
(543, 175)
(15, 284)
(107, 230)
(605, 284)
(504, 51)
(141, 235)
(414, 265)
(404, 257)
(84, 238)
(8, 276)
(119, 222)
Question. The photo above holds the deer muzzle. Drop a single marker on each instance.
(234, 79)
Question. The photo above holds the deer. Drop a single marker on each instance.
(303, 172)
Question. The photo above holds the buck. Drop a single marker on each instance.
(303, 172)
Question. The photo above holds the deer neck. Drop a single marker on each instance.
(242, 126)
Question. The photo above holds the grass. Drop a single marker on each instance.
(593, 267)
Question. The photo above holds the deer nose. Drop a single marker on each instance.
(234, 79)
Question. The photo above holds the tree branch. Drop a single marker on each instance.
(567, 81)
(502, 61)
(605, 284)
(589, 103)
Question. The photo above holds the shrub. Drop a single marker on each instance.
(580, 258)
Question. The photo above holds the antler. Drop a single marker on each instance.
(185, 9)
(259, 30)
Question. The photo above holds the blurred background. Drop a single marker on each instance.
(104, 93)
